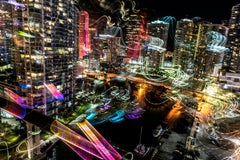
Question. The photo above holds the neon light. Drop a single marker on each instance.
(17, 5)
(217, 42)
(35, 132)
(54, 91)
(118, 116)
(76, 142)
(85, 127)
(24, 86)
(96, 122)
(84, 40)
(133, 116)
(105, 107)
(15, 110)
(15, 97)
(109, 147)
(91, 116)
(117, 120)
(24, 34)
(71, 137)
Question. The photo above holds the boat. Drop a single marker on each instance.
(141, 149)
(157, 131)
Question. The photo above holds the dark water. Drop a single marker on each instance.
(125, 135)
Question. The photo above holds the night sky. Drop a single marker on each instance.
(209, 10)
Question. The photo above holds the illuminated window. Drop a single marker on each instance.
(38, 6)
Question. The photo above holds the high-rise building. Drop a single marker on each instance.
(48, 52)
(157, 36)
(84, 39)
(158, 29)
(5, 48)
(200, 47)
(186, 37)
(43, 51)
(231, 61)
(5, 43)
(135, 33)
(211, 50)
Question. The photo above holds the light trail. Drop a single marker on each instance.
(66, 134)
(8, 156)
(104, 148)
(54, 91)
(63, 132)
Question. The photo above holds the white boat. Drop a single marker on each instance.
(157, 131)
(141, 149)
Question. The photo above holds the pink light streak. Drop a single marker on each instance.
(15, 97)
(72, 138)
(15, 110)
(54, 91)
(105, 149)
(16, 4)
(84, 41)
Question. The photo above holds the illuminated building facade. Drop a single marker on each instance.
(232, 61)
(158, 29)
(158, 35)
(5, 57)
(42, 52)
(211, 50)
(230, 76)
(84, 40)
(5, 43)
(200, 47)
(135, 33)
(186, 36)
(231, 81)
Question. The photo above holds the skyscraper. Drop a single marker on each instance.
(200, 47)
(232, 61)
(84, 40)
(43, 50)
(45, 53)
(135, 32)
(186, 43)
(158, 35)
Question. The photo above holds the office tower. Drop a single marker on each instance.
(231, 61)
(211, 50)
(135, 34)
(5, 44)
(84, 40)
(47, 53)
(186, 44)
(5, 57)
(215, 38)
(42, 55)
(115, 49)
(155, 49)
(158, 29)
(200, 47)
(171, 32)
(230, 75)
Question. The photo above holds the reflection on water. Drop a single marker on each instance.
(126, 134)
